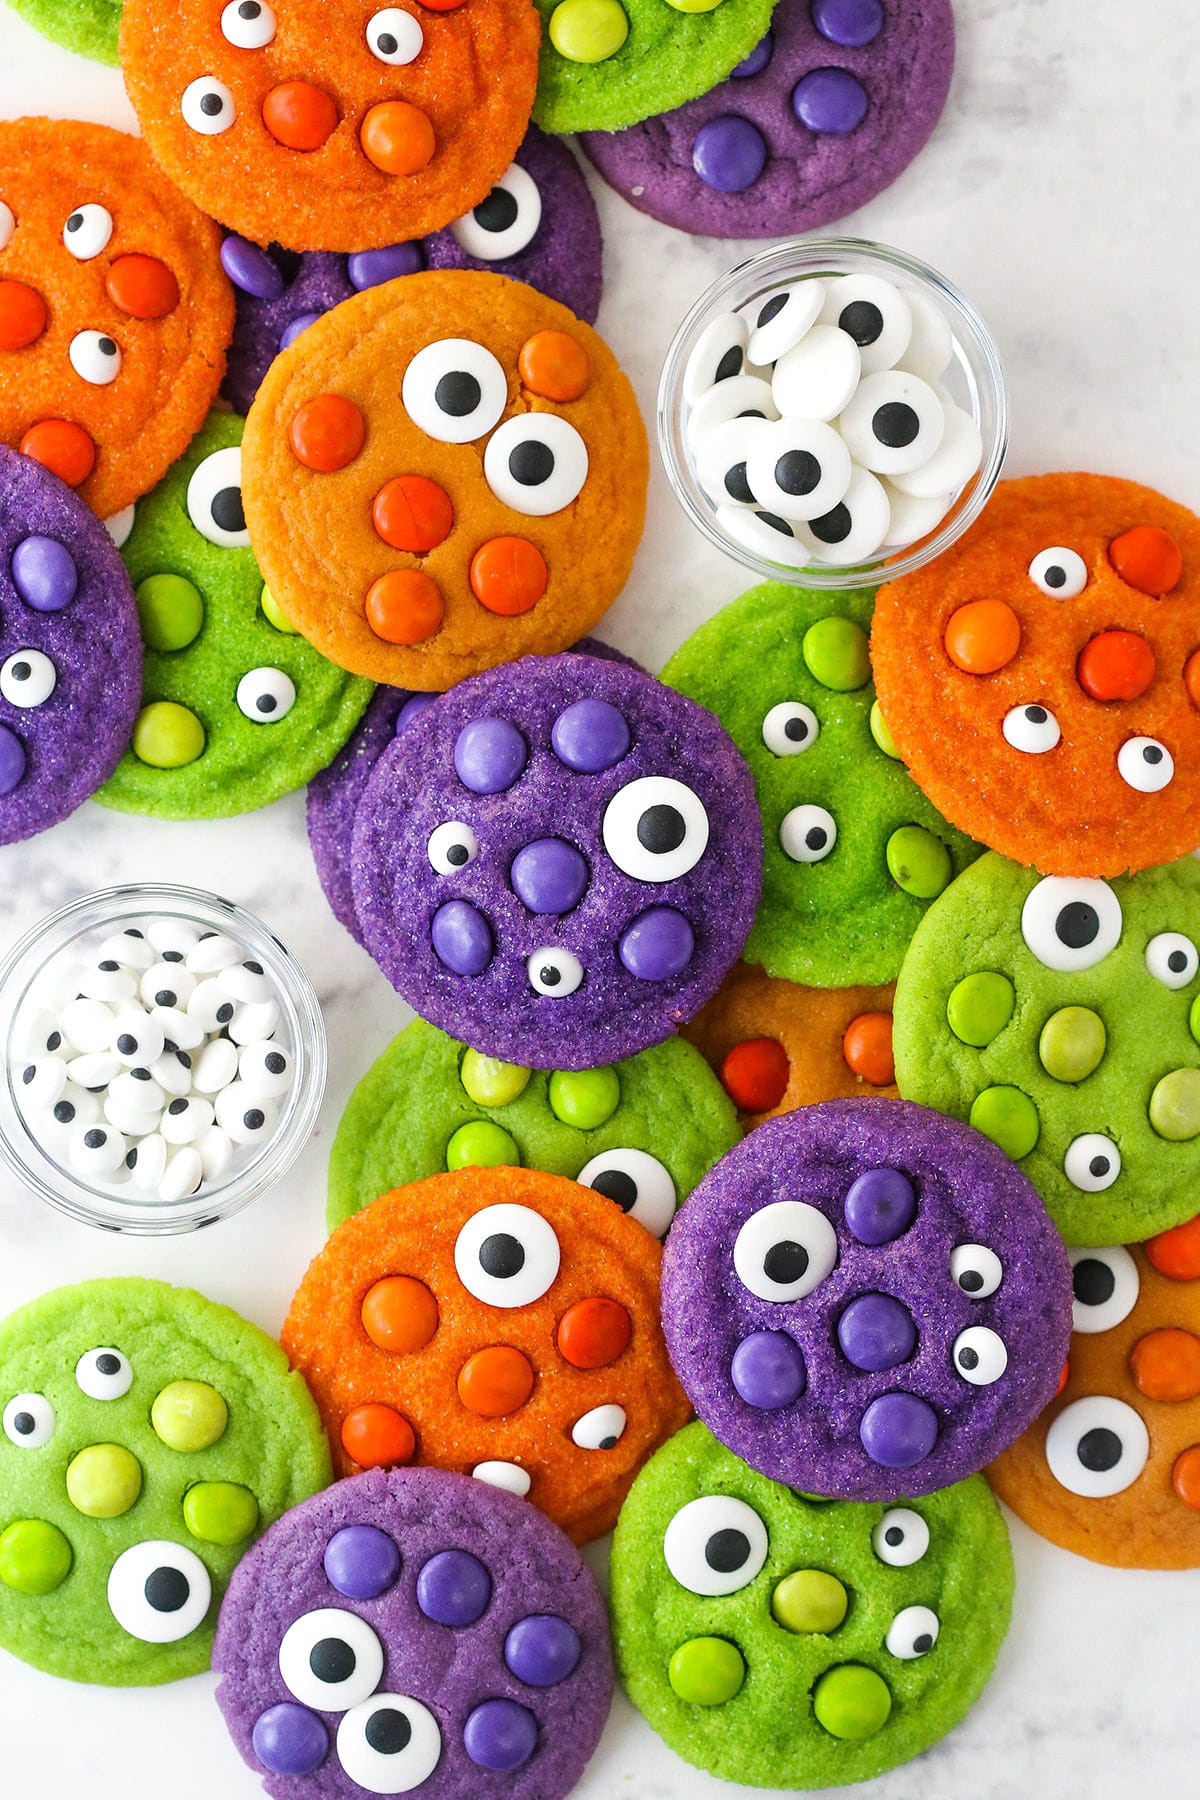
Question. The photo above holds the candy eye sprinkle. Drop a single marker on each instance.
(1097, 1447)
(214, 499)
(388, 1744)
(265, 695)
(636, 1182)
(1032, 729)
(901, 1537)
(784, 1250)
(1071, 923)
(912, 1633)
(554, 973)
(1145, 765)
(248, 24)
(159, 1592)
(976, 1270)
(394, 36)
(715, 1545)
(87, 231)
(1059, 572)
(505, 222)
(602, 1428)
(29, 1421)
(95, 357)
(104, 1374)
(790, 728)
(655, 828)
(980, 1355)
(1105, 1285)
(536, 464)
(1172, 959)
(452, 845)
(808, 834)
(454, 390)
(331, 1659)
(1092, 1162)
(27, 679)
(507, 1255)
(207, 106)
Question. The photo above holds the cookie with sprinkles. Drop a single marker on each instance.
(88, 27)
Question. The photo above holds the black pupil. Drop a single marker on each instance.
(968, 1358)
(1099, 1449)
(24, 1424)
(165, 997)
(617, 1186)
(266, 703)
(816, 837)
(970, 1281)
(75, 222)
(796, 730)
(457, 394)
(772, 309)
(276, 1064)
(736, 485)
(211, 105)
(531, 463)
(126, 1045)
(861, 320)
(785, 1262)
(550, 975)
(64, 1112)
(107, 347)
(1077, 925)
(1177, 962)
(388, 1731)
(227, 509)
(498, 211)
(893, 1536)
(177, 1106)
(166, 1590)
(1093, 1280)
(254, 1119)
(727, 1550)
(923, 1643)
(21, 671)
(502, 1255)
(458, 854)
(94, 1139)
(730, 364)
(832, 527)
(775, 522)
(1098, 1166)
(1036, 715)
(389, 46)
(108, 1364)
(332, 1660)
(249, 9)
(661, 829)
(1055, 576)
(895, 424)
(1152, 754)
(797, 472)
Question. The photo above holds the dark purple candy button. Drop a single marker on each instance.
(880, 1206)
(542, 1650)
(658, 945)
(296, 327)
(290, 1740)
(549, 876)
(12, 760)
(454, 1588)
(362, 1562)
(757, 60)
(370, 268)
(898, 1430)
(729, 154)
(500, 1735)
(44, 574)
(851, 23)
(412, 709)
(831, 101)
(489, 755)
(590, 736)
(251, 269)
(876, 1332)
(462, 938)
(768, 1370)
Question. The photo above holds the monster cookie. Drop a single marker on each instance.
(148, 1436)
(824, 113)
(642, 1133)
(1111, 1469)
(485, 461)
(1042, 678)
(335, 126)
(497, 1322)
(853, 852)
(70, 658)
(534, 875)
(237, 708)
(413, 1631)
(777, 1046)
(87, 26)
(784, 1643)
(866, 1300)
(1062, 1018)
(114, 311)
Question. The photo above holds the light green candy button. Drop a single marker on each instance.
(588, 31)
(584, 1098)
(852, 1701)
(1009, 1118)
(918, 862)
(1175, 1106)
(274, 615)
(170, 610)
(491, 1082)
(482, 1145)
(1194, 1019)
(35, 1557)
(706, 1671)
(881, 734)
(809, 1600)
(103, 1481)
(980, 1006)
(167, 736)
(1072, 1043)
(836, 653)
(220, 1512)
(189, 1415)
(694, 6)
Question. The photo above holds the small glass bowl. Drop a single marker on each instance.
(974, 380)
(301, 1032)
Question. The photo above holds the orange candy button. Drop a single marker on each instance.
(142, 286)
(22, 315)
(554, 365)
(413, 513)
(1148, 558)
(1177, 1252)
(982, 636)
(377, 1437)
(62, 447)
(755, 1074)
(404, 607)
(1191, 678)
(593, 1333)
(299, 116)
(1185, 1477)
(1116, 665)
(397, 138)
(508, 575)
(1166, 1364)
(327, 433)
(867, 1048)
(1064, 1375)
(399, 1314)
(495, 1381)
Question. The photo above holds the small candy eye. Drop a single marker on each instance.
(266, 695)
(790, 728)
(29, 1421)
(8, 224)
(1105, 1284)
(600, 1429)
(1145, 765)
(808, 834)
(636, 1182)
(537, 464)
(977, 1270)
(1033, 729)
(159, 1592)
(1071, 922)
(330, 1659)
(394, 36)
(207, 106)
(900, 1538)
(214, 499)
(784, 1250)
(655, 828)
(507, 1255)
(506, 221)
(248, 24)
(1097, 1447)
(104, 1374)
(912, 1633)
(451, 847)
(1171, 958)
(87, 231)
(28, 678)
(1060, 573)
(979, 1355)
(95, 357)
(553, 972)
(1092, 1162)
(454, 390)
(715, 1545)
(389, 1744)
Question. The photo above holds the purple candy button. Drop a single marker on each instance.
(12, 760)
(542, 1650)
(658, 945)
(729, 153)
(462, 938)
(44, 574)
(454, 1588)
(768, 1370)
(489, 755)
(757, 60)
(851, 23)
(290, 1740)
(880, 1206)
(412, 709)
(831, 101)
(549, 876)
(295, 327)
(370, 268)
(898, 1430)
(876, 1332)
(251, 269)
(362, 1562)
(590, 736)
(500, 1735)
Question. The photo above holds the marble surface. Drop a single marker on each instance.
(1060, 193)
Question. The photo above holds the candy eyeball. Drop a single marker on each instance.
(536, 464)
(214, 499)
(790, 728)
(798, 468)
(894, 423)
(977, 1270)
(722, 457)
(1092, 1162)
(655, 829)
(636, 1182)
(451, 847)
(980, 1355)
(784, 1251)
(1097, 1447)
(1105, 1284)
(912, 1633)
(1071, 923)
(394, 36)
(1032, 729)
(29, 1421)
(901, 1537)
(330, 1659)
(95, 357)
(719, 355)
(554, 973)
(506, 221)
(600, 1429)
(27, 679)
(779, 320)
(207, 106)
(715, 1545)
(875, 314)
(808, 833)
(248, 24)
(1172, 959)
(454, 390)
(8, 224)
(159, 1592)
(1059, 572)
(104, 1374)
(1145, 765)
(507, 1255)
(87, 231)
(266, 695)
(389, 1744)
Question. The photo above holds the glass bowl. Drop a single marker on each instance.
(974, 380)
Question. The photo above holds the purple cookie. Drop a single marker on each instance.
(866, 1299)
(413, 1631)
(836, 100)
(558, 862)
(70, 650)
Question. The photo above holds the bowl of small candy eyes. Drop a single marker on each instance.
(164, 1062)
(832, 412)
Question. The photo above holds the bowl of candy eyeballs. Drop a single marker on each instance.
(833, 412)
(164, 1061)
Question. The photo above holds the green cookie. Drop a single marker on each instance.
(234, 712)
(793, 1643)
(853, 851)
(643, 1131)
(87, 26)
(609, 63)
(1061, 1017)
(150, 1435)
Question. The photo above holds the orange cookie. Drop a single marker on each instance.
(114, 310)
(442, 474)
(1041, 679)
(333, 124)
(499, 1322)
(1111, 1470)
(777, 1046)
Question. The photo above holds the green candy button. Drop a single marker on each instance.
(170, 610)
(1175, 1106)
(706, 1671)
(1194, 1019)
(980, 1006)
(189, 1415)
(918, 862)
(835, 651)
(220, 1512)
(588, 31)
(809, 1600)
(35, 1557)
(167, 736)
(103, 1481)
(491, 1082)
(881, 734)
(482, 1145)
(584, 1098)
(1072, 1043)
(852, 1701)
(1009, 1118)
(274, 615)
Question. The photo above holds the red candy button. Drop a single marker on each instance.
(755, 1074)
(1176, 1253)
(508, 575)
(62, 447)
(412, 513)
(440, 5)
(982, 636)
(1115, 665)
(1148, 558)
(1064, 1375)
(397, 138)
(22, 315)
(327, 433)
(593, 1333)
(867, 1048)
(405, 607)
(399, 1314)
(555, 366)
(1185, 1477)
(1166, 1364)
(299, 116)
(495, 1381)
(377, 1436)
(142, 286)
(1191, 678)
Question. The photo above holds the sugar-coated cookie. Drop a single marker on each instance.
(88, 27)
(784, 1643)
(279, 293)
(1041, 679)
(866, 1299)
(114, 310)
(1062, 1018)
(485, 460)
(498, 1322)
(148, 1436)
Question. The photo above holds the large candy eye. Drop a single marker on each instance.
(1071, 922)
(28, 679)
(1145, 765)
(655, 829)
(875, 315)
(977, 1270)
(721, 458)
(507, 1255)
(808, 833)
(104, 1374)
(1032, 729)
(1171, 958)
(394, 36)
(1092, 1162)
(87, 231)
(389, 1744)
(900, 1538)
(29, 1421)
(207, 106)
(159, 1592)
(330, 1659)
(636, 1182)
(1105, 1284)
(214, 499)
(912, 1633)
(715, 1545)
(454, 390)
(451, 847)
(1060, 573)
(536, 464)
(894, 423)
(248, 24)
(506, 222)
(798, 468)
(790, 728)
(266, 695)
(95, 357)
(1097, 1447)
(784, 1250)
(553, 972)
(600, 1429)
(979, 1355)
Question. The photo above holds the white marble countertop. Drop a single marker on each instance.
(1061, 192)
